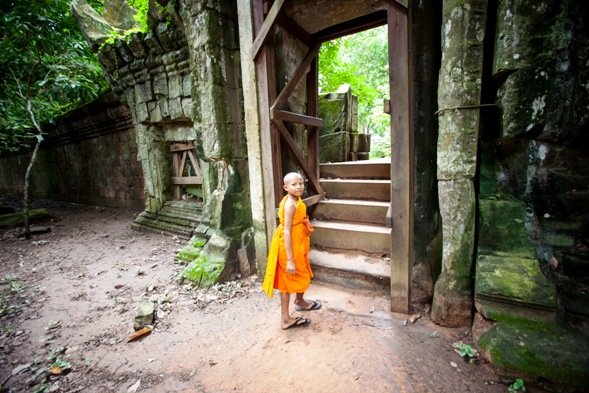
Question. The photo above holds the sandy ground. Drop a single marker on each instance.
(68, 297)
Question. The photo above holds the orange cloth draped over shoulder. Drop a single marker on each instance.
(276, 276)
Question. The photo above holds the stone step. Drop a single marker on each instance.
(341, 235)
(369, 169)
(351, 271)
(372, 212)
(154, 226)
(371, 190)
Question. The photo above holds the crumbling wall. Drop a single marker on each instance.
(182, 83)
(89, 157)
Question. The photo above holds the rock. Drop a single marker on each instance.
(144, 315)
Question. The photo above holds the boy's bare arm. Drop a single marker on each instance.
(289, 210)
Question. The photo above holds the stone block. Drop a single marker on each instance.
(155, 115)
(457, 144)
(187, 85)
(160, 83)
(502, 228)
(175, 106)
(175, 86)
(550, 351)
(187, 107)
(334, 147)
(144, 315)
(514, 279)
(364, 143)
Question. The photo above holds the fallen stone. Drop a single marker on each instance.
(144, 315)
(35, 230)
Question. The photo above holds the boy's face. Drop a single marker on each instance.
(295, 186)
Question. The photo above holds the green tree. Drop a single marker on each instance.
(46, 69)
(360, 60)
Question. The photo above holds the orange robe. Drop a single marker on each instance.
(276, 276)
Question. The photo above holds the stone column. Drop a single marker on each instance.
(463, 30)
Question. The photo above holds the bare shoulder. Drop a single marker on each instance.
(290, 207)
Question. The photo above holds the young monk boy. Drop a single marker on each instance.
(288, 268)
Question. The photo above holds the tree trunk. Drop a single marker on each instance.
(26, 190)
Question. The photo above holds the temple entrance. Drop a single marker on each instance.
(301, 27)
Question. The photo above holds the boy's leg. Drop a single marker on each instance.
(286, 320)
(301, 302)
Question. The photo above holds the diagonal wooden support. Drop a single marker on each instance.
(284, 95)
(298, 156)
(267, 26)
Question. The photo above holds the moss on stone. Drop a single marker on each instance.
(502, 228)
(551, 351)
(19, 217)
(202, 271)
(515, 278)
(189, 253)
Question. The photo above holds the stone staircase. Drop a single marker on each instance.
(351, 243)
(178, 218)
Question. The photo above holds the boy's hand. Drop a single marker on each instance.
(291, 268)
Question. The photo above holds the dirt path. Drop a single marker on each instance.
(69, 297)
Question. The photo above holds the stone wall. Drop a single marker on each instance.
(532, 263)
(182, 83)
(90, 157)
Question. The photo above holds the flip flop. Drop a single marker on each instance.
(316, 306)
(299, 322)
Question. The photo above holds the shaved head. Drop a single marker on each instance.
(291, 176)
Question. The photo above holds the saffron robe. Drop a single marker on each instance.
(276, 276)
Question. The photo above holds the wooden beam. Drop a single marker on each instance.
(264, 31)
(285, 94)
(353, 26)
(182, 164)
(298, 156)
(182, 146)
(266, 83)
(187, 180)
(402, 156)
(293, 28)
(313, 111)
(313, 200)
(277, 114)
(195, 164)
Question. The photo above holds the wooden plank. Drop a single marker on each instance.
(187, 180)
(353, 26)
(182, 146)
(313, 200)
(265, 30)
(266, 83)
(277, 114)
(402, 156)
(293, 28)
(313, 111)
(182, 164)
(296, 77)
(195, 164)
(299, 157)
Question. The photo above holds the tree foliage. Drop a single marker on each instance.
(44, 64)
(360, 60)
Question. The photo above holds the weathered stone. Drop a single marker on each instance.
(523, 28)
(453, 290)
(334, 147)
(94, 27)
(119, 14)
(12, 219)
(515, 279)
(549, 350)
(33, 230)
(502, 228)
(144, 315)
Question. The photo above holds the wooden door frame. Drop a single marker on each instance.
(265, 122)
